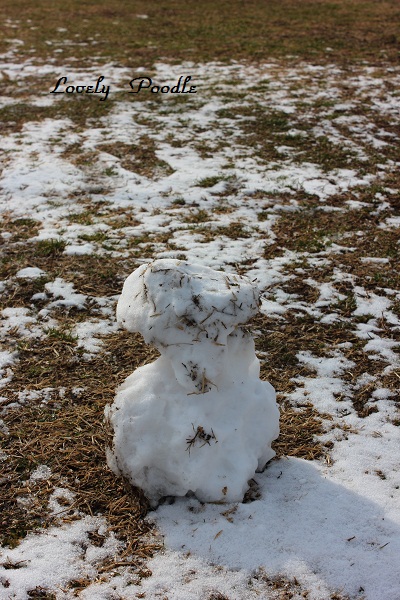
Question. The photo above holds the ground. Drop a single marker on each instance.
(283, 166)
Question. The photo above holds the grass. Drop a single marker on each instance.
(360, 30)
(207, 182)
(98, 236)
(69, 435)
(82, 218)
(50, 247)
(64, 336)
(312, 229)
(139, 157)
(91, 274)
(80, 109)
(198, 216)
(299, 434)
(267, 129)
(20, 229)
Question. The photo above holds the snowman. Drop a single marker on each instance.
(198, 420)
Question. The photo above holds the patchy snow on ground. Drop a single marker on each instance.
(54, 558)
(216, 196)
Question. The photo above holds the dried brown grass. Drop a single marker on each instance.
(68, 435)
(139, 157)
(299, 433)
(357, 30)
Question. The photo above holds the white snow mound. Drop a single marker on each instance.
(198, 419)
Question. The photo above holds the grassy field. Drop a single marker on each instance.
(283, 166)
(203, 31)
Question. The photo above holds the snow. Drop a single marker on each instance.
(79, 249)
(53, 558)
(18, 319)
(332, 524)
(375, 259)
(328, 536)
(198, 419)
(30, 273)
(326, 367)
(87, 334)
(43, 395)
(41, 472)
(65, 294)
(57, 508)
(370, 303)
(180, 308)
(6, 360)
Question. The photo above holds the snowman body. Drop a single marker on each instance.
(198, 419)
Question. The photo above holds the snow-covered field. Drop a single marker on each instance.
(288, 174)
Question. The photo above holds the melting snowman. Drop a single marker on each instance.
(198, 420)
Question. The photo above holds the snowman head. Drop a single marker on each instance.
(187, 311)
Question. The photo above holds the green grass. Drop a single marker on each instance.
(51, 247)
(208, 182)
(60, 335)
(98, 236)
(83, 218)
(25, 222)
